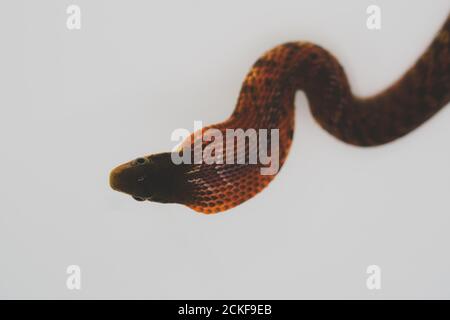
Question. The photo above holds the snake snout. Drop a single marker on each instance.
(115, 180)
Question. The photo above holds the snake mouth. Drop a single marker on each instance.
(139, 198)
(142, 198)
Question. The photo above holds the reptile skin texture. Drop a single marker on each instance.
(266, 101)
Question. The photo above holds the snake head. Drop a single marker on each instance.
(154, 178)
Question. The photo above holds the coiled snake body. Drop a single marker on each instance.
(266, 101)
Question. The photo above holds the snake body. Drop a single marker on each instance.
(266, 101)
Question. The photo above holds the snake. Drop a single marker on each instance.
(266, 101)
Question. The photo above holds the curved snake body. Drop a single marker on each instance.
(266, 101)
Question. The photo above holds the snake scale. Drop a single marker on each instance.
(266, 101)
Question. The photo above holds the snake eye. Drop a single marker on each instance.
(140, 161)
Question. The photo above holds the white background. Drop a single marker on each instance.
(74, 104)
